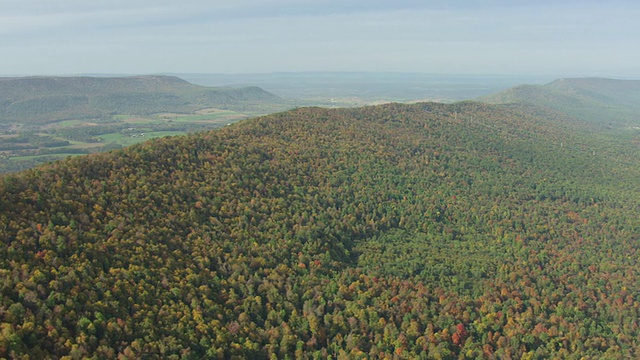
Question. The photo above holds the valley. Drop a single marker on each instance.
(44, 119)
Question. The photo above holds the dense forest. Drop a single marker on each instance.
(423, 231)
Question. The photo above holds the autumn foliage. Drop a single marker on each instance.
(399, 231)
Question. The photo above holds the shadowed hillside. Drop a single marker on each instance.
(604, 102)
(406, 231)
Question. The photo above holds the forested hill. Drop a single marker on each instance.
(49, 99)
(607, 102)
(396, 231)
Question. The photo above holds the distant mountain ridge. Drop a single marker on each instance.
(50, 99)
(597, 100)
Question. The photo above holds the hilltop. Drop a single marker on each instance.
(411, 231)
(604, 102)
(43, 100)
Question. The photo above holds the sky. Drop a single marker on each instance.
(541, 37)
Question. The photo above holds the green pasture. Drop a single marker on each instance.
(60, 155)
(26, 158)
(126, 139)
(219, 115)
(67, 123)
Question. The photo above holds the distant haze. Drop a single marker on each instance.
(357, 88)
(542, 37)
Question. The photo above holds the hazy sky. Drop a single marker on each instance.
(561, 37)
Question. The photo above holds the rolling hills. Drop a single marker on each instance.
(44, 100)
(409, 231)
(603, 102)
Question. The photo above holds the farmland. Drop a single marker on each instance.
(25, 146)
(48, 118)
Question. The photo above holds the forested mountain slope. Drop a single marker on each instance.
(40, 100)
(406, 231)
(607, 102)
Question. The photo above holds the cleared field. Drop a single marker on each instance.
(208, 117)
(140, 120)
(47, 157)
(130, 139)
(70, 123)
(84, 145)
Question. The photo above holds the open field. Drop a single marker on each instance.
(127, 139)
(48, 157)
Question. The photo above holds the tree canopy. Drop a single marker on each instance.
(397, 231)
